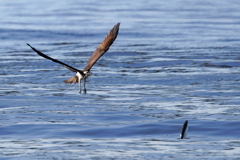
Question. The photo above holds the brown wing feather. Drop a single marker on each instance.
(103, 47)
(55, 60)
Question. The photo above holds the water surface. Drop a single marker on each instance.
(172, 61)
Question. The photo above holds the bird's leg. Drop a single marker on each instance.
(84, 84)
(79, 84)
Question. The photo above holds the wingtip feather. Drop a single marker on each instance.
(30, 46)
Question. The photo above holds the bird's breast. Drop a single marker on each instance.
(79, 75)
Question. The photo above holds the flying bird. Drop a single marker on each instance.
(81, 75)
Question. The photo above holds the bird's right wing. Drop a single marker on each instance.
(103, 47)
(55, 60)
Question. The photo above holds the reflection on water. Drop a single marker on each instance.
(172, 61)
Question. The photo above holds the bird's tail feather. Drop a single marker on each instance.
(71, 80)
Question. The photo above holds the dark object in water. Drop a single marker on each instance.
(184, 130)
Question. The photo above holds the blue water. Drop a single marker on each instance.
(172, 61)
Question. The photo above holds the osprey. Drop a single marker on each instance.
(83, 74)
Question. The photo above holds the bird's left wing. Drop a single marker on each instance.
(103, 47)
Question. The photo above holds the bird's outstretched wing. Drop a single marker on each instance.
(54, 60)
(103, 47)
